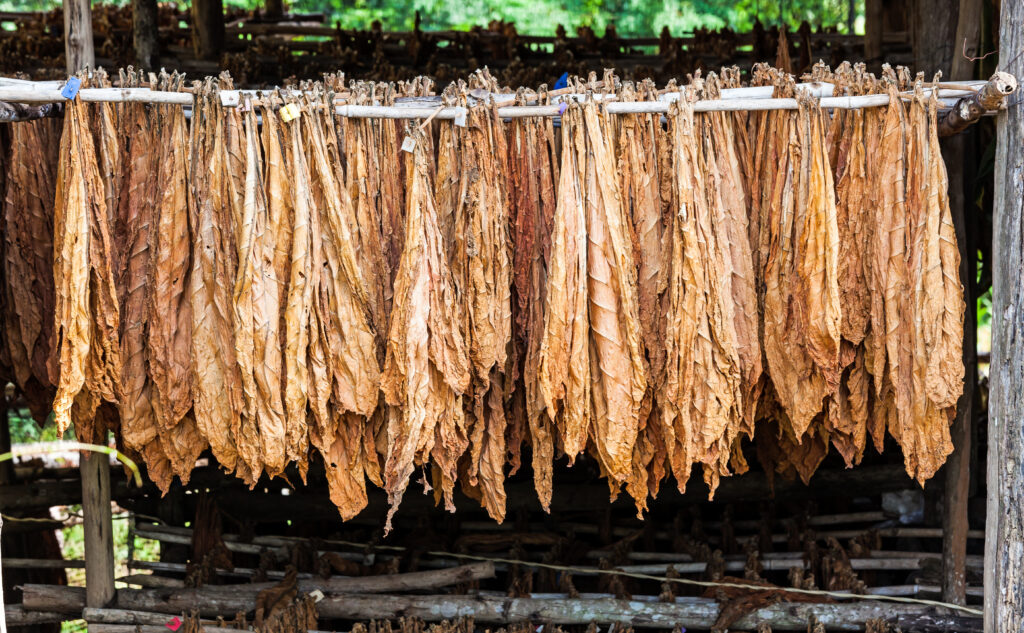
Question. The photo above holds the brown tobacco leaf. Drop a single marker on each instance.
(28, 253)
(343, 300)
(257, 301)
(944, 301)
(799, 252)
(854, 222)
(534, 173)
(564, 358)
(370, 227)
(346, 345)
(728, 201)
(169, 324)
(702, 397)
(170, 310)
(216, 383)
(847, 413)
(87, 318)
(640, 138)
(478, 220)
(618, 377)
(427, 366)
(930, 364)
(278, 176)
(139, 429)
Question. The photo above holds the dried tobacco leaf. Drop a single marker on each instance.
(216, 382)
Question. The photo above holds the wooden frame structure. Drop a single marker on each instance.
(1004, 572)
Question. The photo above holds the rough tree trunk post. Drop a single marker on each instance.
(78, 46)
(274, 8)
(1004, 528)
(934, 29)
(958, 466)
(208, 28)
(144, 33)
(96, 521)
(874, 29)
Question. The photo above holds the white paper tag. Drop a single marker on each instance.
(316, 595)
(460, 118)
(409, 144)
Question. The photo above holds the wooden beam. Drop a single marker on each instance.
(639, 612)
(208, 29)
(144, 34)
(1004, 539)
(98, 528)
(78, 45)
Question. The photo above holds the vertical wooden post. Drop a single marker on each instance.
(958, 466)
(934, 28)
(208, 28)
(96, 521)
(78, 46)
(144, 33)
(1004, 528)
(874, 29)
(274, 8)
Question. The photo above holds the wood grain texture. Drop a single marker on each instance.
(78, 44)
(99, 543)
(1004, 539)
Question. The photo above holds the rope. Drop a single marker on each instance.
(682, 581)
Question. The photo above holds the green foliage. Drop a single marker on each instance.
(632, 18)
(24, 429)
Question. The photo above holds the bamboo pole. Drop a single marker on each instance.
(740, 99)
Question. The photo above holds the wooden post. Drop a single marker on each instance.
(874, 29)
(958, 466)
(144, 33)
(934, 28)
(274, 8)
(78, 46)
(208, 28)
(1004, 527)
(96, 520)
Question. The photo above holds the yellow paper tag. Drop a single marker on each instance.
(289, 112)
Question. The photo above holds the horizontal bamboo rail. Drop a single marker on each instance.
(733, 100)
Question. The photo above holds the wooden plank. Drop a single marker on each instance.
(98, 529)
(1004, 538)
(16, 615)
(78, 45)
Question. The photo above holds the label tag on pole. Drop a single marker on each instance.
(289, 112)
(409, 144)
(70, 89)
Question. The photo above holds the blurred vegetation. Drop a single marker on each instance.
(633, 18)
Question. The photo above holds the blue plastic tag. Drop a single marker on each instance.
(561, 108)
(562, 82)
(70, 89)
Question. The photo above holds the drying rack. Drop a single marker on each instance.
(962, 102)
